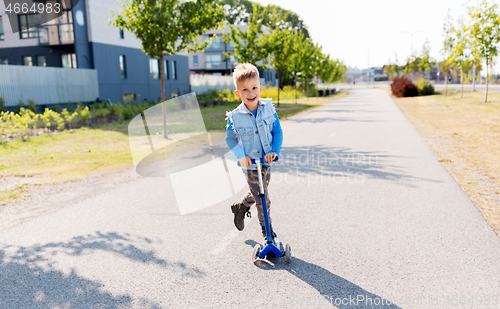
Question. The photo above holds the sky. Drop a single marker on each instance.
(367, 33)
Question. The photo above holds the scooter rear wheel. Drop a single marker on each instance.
(288, 253)
(256, 252)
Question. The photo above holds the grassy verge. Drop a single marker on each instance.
(465, 135)
(26, 165)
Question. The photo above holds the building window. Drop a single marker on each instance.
(129, 97)
(40, 60)
(216, 42)
(69, 61)
(66, 28)
(28, 61)
(165, 69)
(27, 25)
(4, 61)
(214, 61)
(154, 68)
(195, 60)
(2, 35)
(57, 31)
(174, 70)
(123, 66)
(122, 34)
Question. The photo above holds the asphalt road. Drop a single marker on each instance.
(479, 87)
(440, 86)
(374, 221)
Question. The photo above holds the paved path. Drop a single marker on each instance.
(374, 220)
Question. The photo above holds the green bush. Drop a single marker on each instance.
(287, 93)
(56, 108)
(312, 89)
(214, 96)
(127, 113)
(20, 105)
(31, 105)
(85, 114)
(115, 109)
(69, 107)
(101, 112)
(2, 104)
(424, 87)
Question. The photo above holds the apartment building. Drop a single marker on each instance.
(212, 59)
(82, 38)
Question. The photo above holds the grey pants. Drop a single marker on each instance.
(252, 195)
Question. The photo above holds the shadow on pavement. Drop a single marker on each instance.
(31, 278)
(335, 165)
(337, 291)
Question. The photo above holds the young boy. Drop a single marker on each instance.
(253, 131)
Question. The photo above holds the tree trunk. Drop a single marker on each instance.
(279, 82)
(462, 95)
(295, 78)
(487, 78)
(163, 107)
(446, 83)
(316, 90)
(307, 88)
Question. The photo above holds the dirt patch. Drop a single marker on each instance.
(464, 135)
(11, 182)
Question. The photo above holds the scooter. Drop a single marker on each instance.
(275, 247)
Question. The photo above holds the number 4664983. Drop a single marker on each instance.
(25, 8)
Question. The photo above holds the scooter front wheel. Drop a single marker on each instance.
(256, 252)
(288, 253)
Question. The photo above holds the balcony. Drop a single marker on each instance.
(215, 65)
(58, 31)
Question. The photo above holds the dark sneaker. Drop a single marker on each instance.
(239, 210)
(273, 234)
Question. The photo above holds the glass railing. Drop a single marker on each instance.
(215, 65)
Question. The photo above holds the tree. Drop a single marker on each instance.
(298, 52)
(392, 69)
(425, 63)
(412, 65)
(278, 44)
(448, 45)
(331, 70)
(237, 11)
(319, 63)
(241, 11)
(166, 27)
(462, 51)
(307, 62)
(485, 31)
(290, 18)
(248, 44)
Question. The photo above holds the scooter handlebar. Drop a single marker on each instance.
(261, 160)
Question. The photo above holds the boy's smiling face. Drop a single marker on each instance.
(249, 91)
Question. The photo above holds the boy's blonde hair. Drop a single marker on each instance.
(244, 71)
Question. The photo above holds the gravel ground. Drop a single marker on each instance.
(45, 199)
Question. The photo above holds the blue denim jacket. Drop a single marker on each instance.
(254, 136)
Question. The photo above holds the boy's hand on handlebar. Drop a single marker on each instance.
(269, 158)
(246, 161)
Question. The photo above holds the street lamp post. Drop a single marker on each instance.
(412, 33)
(368, 73)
